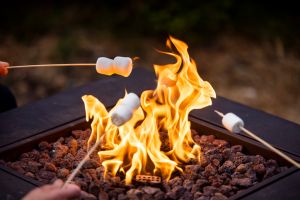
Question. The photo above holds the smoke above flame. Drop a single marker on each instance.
(136, 147)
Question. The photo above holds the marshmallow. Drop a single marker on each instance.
(123, 65)
(120, 65)
(105, 66)
(232, 123)
(124, 111)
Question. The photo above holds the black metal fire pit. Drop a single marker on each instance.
(23, 128)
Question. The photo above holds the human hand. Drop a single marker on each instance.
(3, 68)
(54, 191)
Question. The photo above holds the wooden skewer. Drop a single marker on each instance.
(54, 65)
(87, 156)
(268, 145)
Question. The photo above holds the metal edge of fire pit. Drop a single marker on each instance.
(10, 151)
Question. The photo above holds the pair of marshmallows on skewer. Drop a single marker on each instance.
(119, 65)
(106, 66)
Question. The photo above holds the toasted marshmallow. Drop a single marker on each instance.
(123, 65)
(124, 111)
(105, 66)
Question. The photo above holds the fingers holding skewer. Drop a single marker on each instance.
(106, 66)
(3, 68)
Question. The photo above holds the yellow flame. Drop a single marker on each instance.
(135, 147)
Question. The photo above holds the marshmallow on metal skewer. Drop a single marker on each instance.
(123, 112)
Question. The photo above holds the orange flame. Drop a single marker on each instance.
(135, 147)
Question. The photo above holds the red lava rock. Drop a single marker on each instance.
(59, 150)
(225, 189)
(90, 164)
(236, 148)
(257, 159)
(134, 194)
(227, 167)
(204, 161)
(226, 153)
(29, 174)
(188, 184)
(197, 139)
(241, 182)
(209, 170)
(33, 166)
(18, 166)
(177, 181)
(44, 145)
(193, 169)
(150, 190)
(197, 195)
(73, 146)
(218, 196)
(242, 168)
(42, 174)
(63, 173)
(177, 192)
(206, 139)
(215, 162)
(209, 190)
(50, 167)
(76, 134)
(259, 169)
(220, 143)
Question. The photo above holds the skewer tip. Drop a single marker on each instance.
(219, 113)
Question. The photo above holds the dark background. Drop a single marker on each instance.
(248, 50)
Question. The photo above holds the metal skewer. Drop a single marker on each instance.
(268, 145)
(54, 65)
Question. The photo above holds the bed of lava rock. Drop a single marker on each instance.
(224, 171)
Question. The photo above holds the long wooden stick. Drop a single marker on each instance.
(87, 156)
(54, 65)
(286, 157)
(268, 145)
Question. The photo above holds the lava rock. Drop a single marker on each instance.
(209, 190)
(134, 194)
(177, 181)
(236, 148)
(50, 167)
(227, 167)
(218, 196)
(150, 190)
(44, 145)
(241, 182)
(242, 168)
(63, 173)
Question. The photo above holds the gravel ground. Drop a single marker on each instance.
(261, 75)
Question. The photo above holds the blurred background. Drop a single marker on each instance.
(248, 50)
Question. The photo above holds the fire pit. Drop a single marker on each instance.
(208, 163)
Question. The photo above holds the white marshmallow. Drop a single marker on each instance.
(105, 66)
(123, 112)
(232, 122)
(123, 65)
